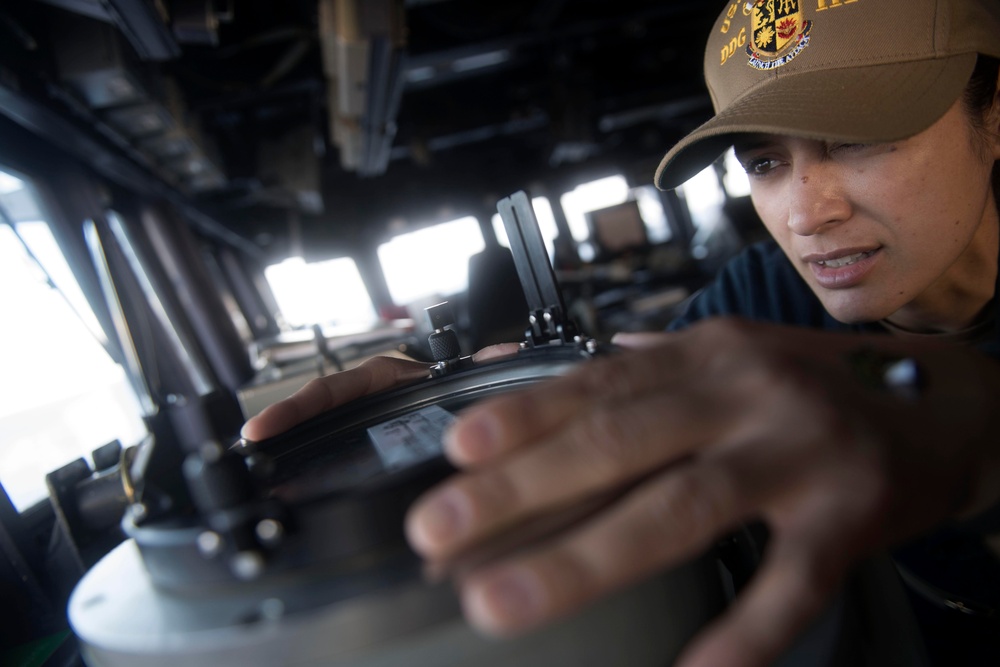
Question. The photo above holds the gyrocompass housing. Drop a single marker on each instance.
(294, 552)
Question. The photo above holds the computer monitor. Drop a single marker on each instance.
(617, 229)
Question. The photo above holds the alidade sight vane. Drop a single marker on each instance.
(547, 320)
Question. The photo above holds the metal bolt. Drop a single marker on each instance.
(247, 565)
(272, 609)
(209, 544)
(592, 346)
(269, 532)
(211, 452)
(139, 512)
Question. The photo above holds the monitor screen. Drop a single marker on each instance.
(617, 228)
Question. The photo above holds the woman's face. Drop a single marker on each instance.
(906, 231)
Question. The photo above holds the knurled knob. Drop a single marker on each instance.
(444, 345)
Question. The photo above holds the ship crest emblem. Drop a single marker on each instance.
(779, 32)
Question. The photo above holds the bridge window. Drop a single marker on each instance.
(431, 262)
(606, 192)
(330, 292)
(735, 181)
(705, 197)
(590, 197)
(61, 394)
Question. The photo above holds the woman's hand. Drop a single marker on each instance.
(326, 393)
(720, 424)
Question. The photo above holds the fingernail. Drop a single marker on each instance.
(512, 597)
(472, 439)
(439, 521)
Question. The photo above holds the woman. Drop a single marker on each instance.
(872, 149)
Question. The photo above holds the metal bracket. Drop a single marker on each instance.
(548, 323)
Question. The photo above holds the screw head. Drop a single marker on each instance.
(209, 543)
(272, 609)
(211, 452)
(269, 532)
(139, 512)
(247, 565)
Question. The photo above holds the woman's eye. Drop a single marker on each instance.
(760, 166)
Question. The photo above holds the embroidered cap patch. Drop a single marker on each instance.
(779, 32)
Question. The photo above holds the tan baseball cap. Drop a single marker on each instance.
(858, 71)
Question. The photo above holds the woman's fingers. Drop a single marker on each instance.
(608, 424)
(496, 427)
(328, 392)
(715, 353)
(496, 351)
(821, 533)
(605, 448)
(662, 522)
(820, 525)
(785, 595)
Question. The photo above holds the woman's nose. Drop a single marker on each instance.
(816, 200)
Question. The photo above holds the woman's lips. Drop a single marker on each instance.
(843, 268)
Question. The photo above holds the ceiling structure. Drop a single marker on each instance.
(339, 115)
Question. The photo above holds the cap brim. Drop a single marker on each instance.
(876, 103)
